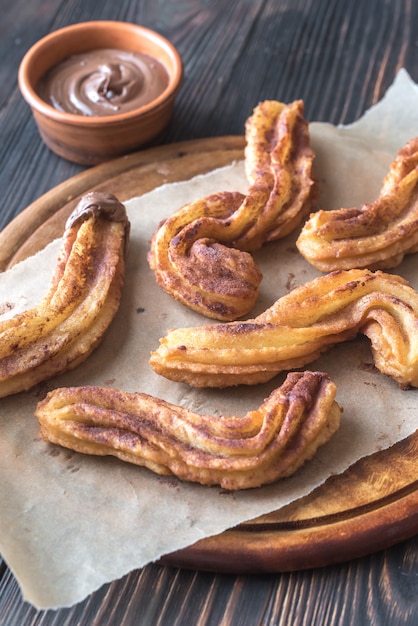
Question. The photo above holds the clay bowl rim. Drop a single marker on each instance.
(27, 86)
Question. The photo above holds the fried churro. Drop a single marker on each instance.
(296, 329)
(201, 254)
(234, 452)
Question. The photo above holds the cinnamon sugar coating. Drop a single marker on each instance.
(297, 328)
(376, 235)
(264, 445)
(79, 303)
(201, 254)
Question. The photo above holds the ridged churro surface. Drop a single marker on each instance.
(297, 329)
(376, 235)
(80, 301)
(201, 254)
(233, 452)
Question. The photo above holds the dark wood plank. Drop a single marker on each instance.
(380, 589)
(334, 55)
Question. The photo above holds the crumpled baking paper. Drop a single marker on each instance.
(70, 523)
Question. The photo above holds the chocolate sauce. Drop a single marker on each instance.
(103, 82)
(95, 203)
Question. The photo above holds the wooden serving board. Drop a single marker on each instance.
(371, 506)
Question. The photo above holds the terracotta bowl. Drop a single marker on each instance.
(90, 139)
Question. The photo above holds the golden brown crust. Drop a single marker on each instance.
(234, 452)
(81, 301)
(297, 329)
(377, 235)
(200, 255)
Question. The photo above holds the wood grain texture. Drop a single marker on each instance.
(340, 57)
(371, 506)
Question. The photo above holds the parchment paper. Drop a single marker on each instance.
(70, 523)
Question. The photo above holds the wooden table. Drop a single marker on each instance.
(340, 57)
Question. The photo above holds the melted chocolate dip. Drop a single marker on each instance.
(103, 82)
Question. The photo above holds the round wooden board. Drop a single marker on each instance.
(371, 506)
